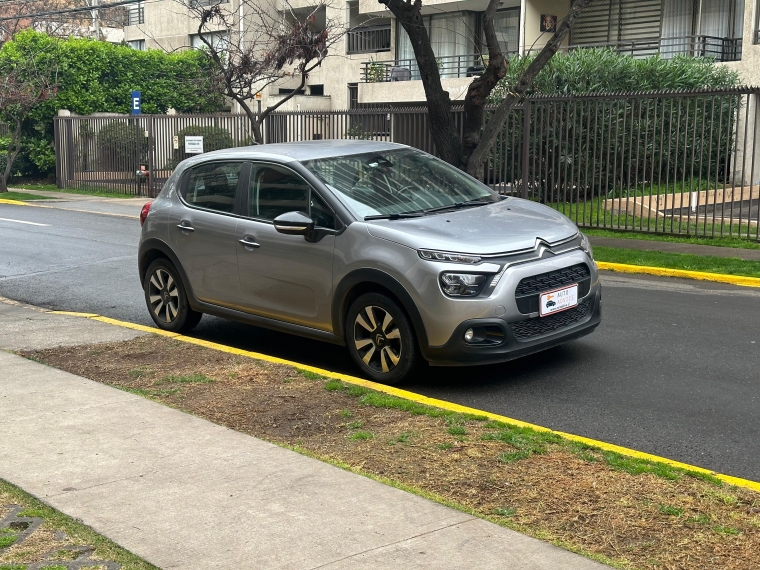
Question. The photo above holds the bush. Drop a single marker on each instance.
(570, 139)
(121, 147)
(214, 138)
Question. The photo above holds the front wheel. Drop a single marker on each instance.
(381, 339)
(166, 298)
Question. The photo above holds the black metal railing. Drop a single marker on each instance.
(369, 39)
(683, 162)
(756, 37)
(713, 47)
(450, 67)
(136, 15)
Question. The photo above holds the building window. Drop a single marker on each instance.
(204, 3)
(353, 95)
(136, 15)
(218, 40)
(137, 44)
(317, 90)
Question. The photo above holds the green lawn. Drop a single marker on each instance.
(21, 196)
(708, 264)
(716, 241)
(103, 193)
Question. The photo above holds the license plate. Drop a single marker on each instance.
(558, 300)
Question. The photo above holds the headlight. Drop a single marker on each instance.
(450, 257)
(586, 246)
(462, 284)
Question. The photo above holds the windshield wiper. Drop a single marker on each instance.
(400, 216)
(459, 205)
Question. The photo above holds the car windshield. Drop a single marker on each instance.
(396, 182)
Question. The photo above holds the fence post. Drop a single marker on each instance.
(525, 147)
(57, 143)
(151, 149)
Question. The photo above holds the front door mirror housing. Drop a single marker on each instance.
(294, 224)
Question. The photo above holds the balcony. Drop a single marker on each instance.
(369, 39)
(716, 48)
(136, 16)
(450, 67)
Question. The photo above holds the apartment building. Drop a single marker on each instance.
(374, 64)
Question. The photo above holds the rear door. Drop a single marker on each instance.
(204, 231)
(285, 277)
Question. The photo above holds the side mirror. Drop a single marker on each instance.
(294, 224)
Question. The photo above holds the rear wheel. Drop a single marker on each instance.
(166, 298)
(381, 338)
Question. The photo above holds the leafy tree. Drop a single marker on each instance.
(470, 150)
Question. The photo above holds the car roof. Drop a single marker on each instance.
(304, 150)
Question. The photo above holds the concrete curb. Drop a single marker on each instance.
(682, 273)
(418, 398)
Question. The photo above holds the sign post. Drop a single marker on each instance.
(136, 103)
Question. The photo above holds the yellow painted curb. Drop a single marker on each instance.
(13, 202)
(419, 398)
(664, 272)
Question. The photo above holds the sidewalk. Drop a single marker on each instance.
(184, 493)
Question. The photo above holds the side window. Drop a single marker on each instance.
(321, 213)
(213, 186)
(275, 190)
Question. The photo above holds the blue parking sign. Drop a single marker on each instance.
(136, 103)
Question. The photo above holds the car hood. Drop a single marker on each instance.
(510, 225)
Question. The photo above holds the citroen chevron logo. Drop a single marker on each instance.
(542, 247)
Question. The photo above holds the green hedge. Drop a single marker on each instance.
(96, 76)
(611, 147)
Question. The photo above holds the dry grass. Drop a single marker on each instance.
(626, 512)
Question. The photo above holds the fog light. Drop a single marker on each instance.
(469, 335)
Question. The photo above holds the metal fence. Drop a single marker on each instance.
(684, 163)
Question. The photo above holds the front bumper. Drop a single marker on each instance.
(520, 338)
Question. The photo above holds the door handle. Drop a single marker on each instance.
(247, 243)
(186, 228)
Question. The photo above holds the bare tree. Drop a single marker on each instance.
(470, 150)
(256, 45)
(17, 15)
(24, 82)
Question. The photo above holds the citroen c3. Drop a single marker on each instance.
(375, 246)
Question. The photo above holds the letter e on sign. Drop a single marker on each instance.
(136, 103)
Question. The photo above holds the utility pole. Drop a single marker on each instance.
(95, 17)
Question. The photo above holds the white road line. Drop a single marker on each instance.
(23, 222)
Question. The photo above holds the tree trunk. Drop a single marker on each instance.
(14, 147)
(445, 137)
(476, 161)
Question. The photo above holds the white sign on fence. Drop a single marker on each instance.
(193, 145)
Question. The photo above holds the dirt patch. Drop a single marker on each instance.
(631, 513)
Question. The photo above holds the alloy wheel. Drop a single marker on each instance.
(163, 295)
(377, 339)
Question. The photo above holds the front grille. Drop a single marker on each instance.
(529, 289)
(552, 280)
(525, 330)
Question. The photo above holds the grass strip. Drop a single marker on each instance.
(738, 243)
(22, 196)
(688, 262)
(43, 541)
(100, 192)
(624, 511)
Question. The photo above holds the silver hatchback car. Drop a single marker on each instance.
(376, 246)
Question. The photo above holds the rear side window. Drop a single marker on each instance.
(213, 186)
(274, 191)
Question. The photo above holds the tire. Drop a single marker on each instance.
(381, 339)
(166, 298)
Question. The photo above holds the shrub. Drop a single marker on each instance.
(121, 146)
(567, 137)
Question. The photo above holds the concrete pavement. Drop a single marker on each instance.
(122, 207)
(184, 493)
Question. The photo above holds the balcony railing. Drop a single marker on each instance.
(369, 39)
(716, 48)
(450, 67)
(136, 16)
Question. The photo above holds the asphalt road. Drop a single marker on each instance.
(673, 370)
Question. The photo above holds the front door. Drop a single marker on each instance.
(203, 232)
(285, 277)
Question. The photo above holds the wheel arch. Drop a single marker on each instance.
(362, 281)
(153, 249)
